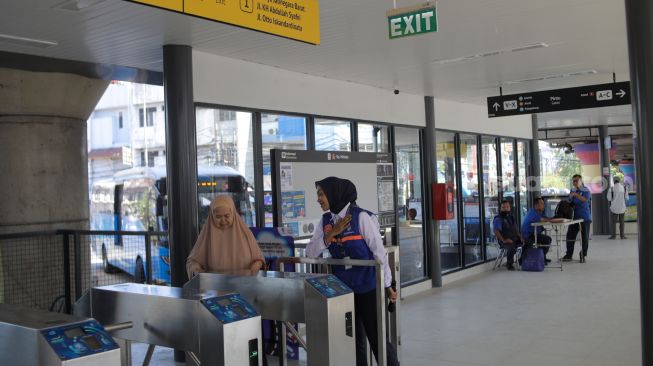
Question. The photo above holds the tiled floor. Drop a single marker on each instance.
(586, 315)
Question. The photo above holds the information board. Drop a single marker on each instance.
(590, 96)
(294, 19)
(294, 175)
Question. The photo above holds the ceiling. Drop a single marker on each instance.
(581, 35)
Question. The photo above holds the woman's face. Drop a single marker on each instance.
(322, 199)
(222, 217)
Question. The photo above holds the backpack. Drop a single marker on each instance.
(564, 210)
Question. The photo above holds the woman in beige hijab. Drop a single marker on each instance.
(225, 243)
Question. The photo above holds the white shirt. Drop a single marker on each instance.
(369, 228)
(617, 196)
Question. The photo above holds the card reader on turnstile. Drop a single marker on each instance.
(37, 337)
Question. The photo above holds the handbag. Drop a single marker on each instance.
(532, 259)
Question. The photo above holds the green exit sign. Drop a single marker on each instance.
(411, 21)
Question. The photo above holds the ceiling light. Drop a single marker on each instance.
(76, 5)
(24, 41)
(491, 53)
(550, 77)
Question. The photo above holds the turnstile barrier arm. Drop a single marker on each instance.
(380, 292)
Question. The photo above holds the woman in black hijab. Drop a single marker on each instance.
(348, 231)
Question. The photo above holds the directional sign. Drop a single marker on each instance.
(294, 19)
(412, 20)
(592, 96)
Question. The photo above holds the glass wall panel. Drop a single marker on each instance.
(522, 156)
(225, 160)
(490, 190)
(508, 173)
(410, 204)
(445, 156)
(278, 132)
(471, 204)
(372, 138)
(332, 135)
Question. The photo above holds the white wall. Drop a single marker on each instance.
(225, 81)
(220, 80)
(457, 116)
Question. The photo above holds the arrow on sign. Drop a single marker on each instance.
(496, 106)
(621, 93)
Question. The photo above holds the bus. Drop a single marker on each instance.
(136, 200)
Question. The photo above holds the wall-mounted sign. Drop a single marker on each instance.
(412, 20)
(591, 96)
(294, 19)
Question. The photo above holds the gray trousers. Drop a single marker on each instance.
(613, 227)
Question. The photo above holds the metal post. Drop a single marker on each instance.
(78, 266)
(66, 273)
(382, 352)
(535, 175)
(181, 160)
(148, 259)
(148, 355)
(600, 205)
(430, 226)
(640, 49)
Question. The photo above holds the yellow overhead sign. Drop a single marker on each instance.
(294, 19)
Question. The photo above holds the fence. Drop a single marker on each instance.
(49, 270)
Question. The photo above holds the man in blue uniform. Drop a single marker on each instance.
(348, 231)
(580, 198)
(507, 233)
(528, 231)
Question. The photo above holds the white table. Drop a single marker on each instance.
(560, 230)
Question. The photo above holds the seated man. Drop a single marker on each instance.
(507, 233)
(528, 232)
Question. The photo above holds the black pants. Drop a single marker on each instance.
(511, 249)
(365, 311)
(617, 218)
(541, 240)
(572, 234)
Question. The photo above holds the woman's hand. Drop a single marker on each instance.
(338, 228)
(391, 294)
(196, 269)
(256, 266)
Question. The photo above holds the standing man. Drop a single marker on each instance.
(617, 196)
(580, 199)
(528, 231)
(507, 233)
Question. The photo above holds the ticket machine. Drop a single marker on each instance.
(37, 337)
(214, 328)
(322, 302)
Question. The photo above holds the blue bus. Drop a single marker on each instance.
(136, 200)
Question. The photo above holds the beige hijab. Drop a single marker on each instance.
(223, 250)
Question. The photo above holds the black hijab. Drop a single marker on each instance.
(339, 192)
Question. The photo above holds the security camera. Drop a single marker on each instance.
(396, 91)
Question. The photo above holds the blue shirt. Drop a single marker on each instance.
(582, 209)
(506, 226)
(531, 217)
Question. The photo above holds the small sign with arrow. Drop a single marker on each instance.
(591, 96)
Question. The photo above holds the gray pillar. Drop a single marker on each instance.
(432, 229)
(640, 49)
(534, 180)
(600, 204)
(181, 157)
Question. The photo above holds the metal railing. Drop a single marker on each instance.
(49, 270)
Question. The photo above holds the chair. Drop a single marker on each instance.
(502, 254)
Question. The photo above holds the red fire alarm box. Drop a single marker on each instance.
(442, 201)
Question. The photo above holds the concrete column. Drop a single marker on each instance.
(535, 180)
(600, 204)
(43, 177)
(44, 180)
(640, 49)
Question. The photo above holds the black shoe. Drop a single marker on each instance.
(623, 237)
(547, 260)
(510, 267)
(582, 258)
(566, 258)
(612, 237)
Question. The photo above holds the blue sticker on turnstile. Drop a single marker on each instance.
(79, 340)
(229, 308)
(329, 286)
